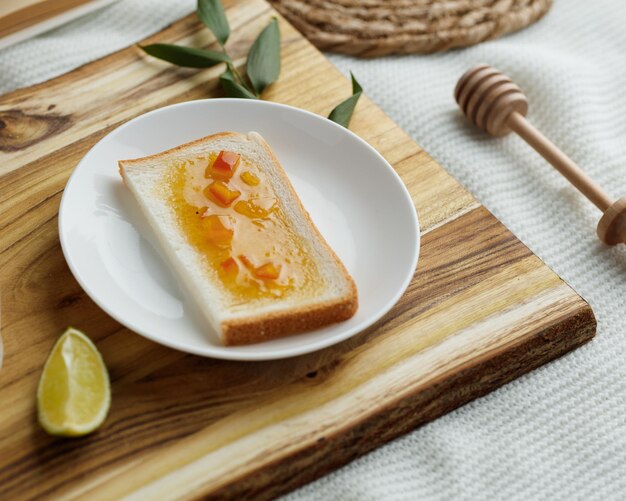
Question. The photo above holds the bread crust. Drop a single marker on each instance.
(270, 325)
(258, 328)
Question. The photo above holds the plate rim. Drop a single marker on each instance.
(222, 352)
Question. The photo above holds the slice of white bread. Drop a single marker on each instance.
(257, 320)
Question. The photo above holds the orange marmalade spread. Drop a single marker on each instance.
(229, 212)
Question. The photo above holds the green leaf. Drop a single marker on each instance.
(211, 13)
(186, 56)
(232, 88)
(263, 66)
(343, 111)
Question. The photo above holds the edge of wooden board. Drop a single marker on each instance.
(29, 19)
(413, 411)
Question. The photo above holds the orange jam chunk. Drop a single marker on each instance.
(218, 233)
(250, 209)
(230, 266)
(249, 178)
(221, 194)
(246, 262)
(223, 167)
(268, 271)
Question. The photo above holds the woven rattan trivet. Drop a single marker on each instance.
(371, 28)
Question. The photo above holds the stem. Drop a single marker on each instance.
(238, 76)
(234, 71)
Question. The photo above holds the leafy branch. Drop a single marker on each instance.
(262, 65)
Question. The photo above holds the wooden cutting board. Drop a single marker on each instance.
(481, 310)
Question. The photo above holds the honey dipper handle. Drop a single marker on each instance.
(559, 161)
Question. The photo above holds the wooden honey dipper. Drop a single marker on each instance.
(492, 102)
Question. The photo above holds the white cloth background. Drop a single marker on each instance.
(559, 432)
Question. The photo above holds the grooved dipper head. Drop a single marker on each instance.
(487, 98)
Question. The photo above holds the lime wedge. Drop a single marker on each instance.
(73, 396)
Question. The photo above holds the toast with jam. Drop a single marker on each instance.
(239, 239)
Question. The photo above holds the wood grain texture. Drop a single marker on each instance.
(16, 15)
(481, 310)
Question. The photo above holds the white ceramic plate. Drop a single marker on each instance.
(355, 198)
